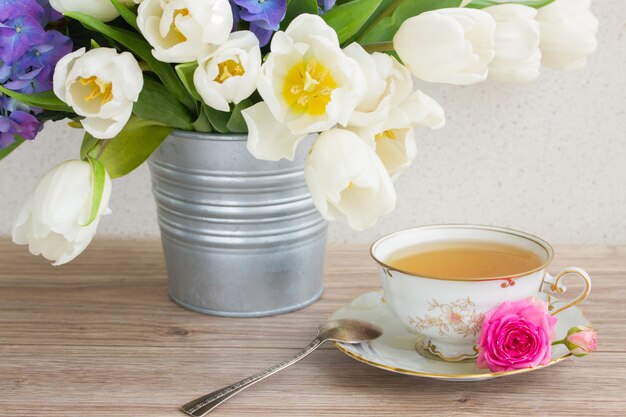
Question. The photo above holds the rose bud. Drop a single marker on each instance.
(581, 340)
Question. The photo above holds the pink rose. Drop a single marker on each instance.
(581, 340)
(516, 335)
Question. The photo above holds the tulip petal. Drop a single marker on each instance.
(184, 37)
(347, 179)
(269, 139)
(19, 231)
(63, 67)
(107, 128)
(517, 35)
(51, 221)
(452, 45)
(568, 33)
(99, 9)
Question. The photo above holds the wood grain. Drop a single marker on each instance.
(99, 337)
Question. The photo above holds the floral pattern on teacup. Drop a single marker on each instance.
(459, 317)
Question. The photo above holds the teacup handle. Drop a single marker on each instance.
(557, 288)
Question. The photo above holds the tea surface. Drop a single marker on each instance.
(465, 260)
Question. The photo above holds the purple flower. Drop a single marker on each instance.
(8, 104)
(28, 56)
(15, 8)
(17, 35)
(33, 81)
(49, 14)
(17, 123)
(264, 35)
(325, 5)
(33, 72)
(264, 16)
(5, 72)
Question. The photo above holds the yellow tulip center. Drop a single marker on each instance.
(307, 88)
(179, 12)
(387, 134)
(227, 69)
(100, 90)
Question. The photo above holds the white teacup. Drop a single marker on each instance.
(447, 313)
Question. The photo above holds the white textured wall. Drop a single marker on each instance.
(548, 158)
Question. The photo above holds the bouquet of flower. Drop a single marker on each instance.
(131, 71)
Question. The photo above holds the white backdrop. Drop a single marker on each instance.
(547, 157)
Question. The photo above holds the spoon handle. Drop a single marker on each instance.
(203, 405)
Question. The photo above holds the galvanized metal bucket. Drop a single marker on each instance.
(241, 237)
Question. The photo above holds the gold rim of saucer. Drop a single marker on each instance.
(487, 375)
(441, 376)
(545, 245)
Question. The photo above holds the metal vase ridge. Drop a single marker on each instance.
(241, 237)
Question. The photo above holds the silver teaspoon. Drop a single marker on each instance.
(344, 331)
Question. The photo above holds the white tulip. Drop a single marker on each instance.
(421, 110)
(394, 141)
(307, 83)
(229, 73)
(52, 222)
(267, 139)
(100, 9)
(388, 84)
(448, 45)
(100, 85)
(389, 112)
(390, 94)
(518, 57)
(346, 178)
(568, 33)
(184, 30)
(395, 144)
(396, 147)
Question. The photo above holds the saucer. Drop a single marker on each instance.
(395, 350)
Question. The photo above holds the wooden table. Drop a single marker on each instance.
(100, 337)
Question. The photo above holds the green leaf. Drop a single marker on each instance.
(202, 123)
(81, 36)
(89, 144)
(396, 13)
(218, 119)
(347, 19)
(156, 104)
(127, 14)
(237, 123)
(185, 73)
(98, 181)
(54, 116)
(481, 4)
(128, 150)
(46, 100)
(6, 151)
(296, 8)
(136, 44)
(384, 4)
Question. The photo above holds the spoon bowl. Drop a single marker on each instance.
(349, 331)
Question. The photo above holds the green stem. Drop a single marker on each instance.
(379, 47)
(558, 342)
(6, 151)
(386, 13)
(102, 145)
